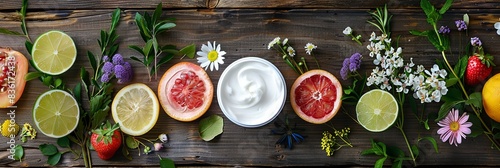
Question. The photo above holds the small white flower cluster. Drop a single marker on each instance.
(426, 85)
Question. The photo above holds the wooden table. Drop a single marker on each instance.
(244, 28)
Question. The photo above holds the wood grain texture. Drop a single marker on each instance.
(244, 33)
(290, 4)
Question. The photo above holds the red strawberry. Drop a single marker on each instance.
(106, 140)
(478, 69)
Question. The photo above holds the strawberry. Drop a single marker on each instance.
(106, 140)
(478, 68)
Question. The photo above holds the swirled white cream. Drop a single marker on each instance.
(251, 92)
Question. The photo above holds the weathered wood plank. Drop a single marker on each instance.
(101, 4)
(291, 4)
(243, 33)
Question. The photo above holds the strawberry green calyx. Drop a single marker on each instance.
(105, 132)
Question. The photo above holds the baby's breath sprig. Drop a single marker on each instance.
(288, 53)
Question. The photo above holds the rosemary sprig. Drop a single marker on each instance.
(150, 26)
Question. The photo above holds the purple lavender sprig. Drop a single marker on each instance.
(116, 68)
(350, 66)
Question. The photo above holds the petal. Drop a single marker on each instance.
(202, 53)
(204, 48)
(467, 125)
(444, 137)
(221, 53)
(459, 139)
(205, 64)
(463, 118)
(497, 25)
(442, 130)
(211, 66)
(498, 31)
(217, 48)
(465, 130)
(210, 45)
(216, 66)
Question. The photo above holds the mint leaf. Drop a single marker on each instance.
(54, 159)
(445, 7)
(48, 149)
(166, 163)
(63, 142)
(210, 127)
(19, 152)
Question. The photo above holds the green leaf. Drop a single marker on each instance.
(18, 152)
(166, 163)
(47, 80)
(368, 151)
(165, 59)
(433, 38)
(210, 127)
(157, 13)
(92, 60)
(77, 92)
(461, 66)
(48, 149)
(9, 32)
(29, 46)
(395, 152)
(475, 99)
(446, 107)
(432, 141)
(188, 51)
(136, 48)
(115, 18)
(33, 75)
(476, 128)
(380, 163)
(451, 81)
(419, 33)
(136, 59)
(54, 159)
(63, 142)
(415, 150)
(57, 82)
(445, 7)
(131, 142)
(148, 48)
(163, 26)
(426, 7)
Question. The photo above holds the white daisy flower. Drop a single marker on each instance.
(210, 56)
(309, 47)
(290, 51)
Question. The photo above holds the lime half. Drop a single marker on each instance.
(53, 52)
(377, 110)
(56, 113)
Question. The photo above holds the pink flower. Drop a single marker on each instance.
(158, 146)
(454, 128)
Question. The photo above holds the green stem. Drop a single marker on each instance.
(400, 125)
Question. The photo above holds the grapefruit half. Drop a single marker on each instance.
(185, 91)
(316, 96)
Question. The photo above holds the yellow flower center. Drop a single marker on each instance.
(454, 126)
(213, 55)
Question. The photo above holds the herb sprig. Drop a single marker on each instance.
(150, 26)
